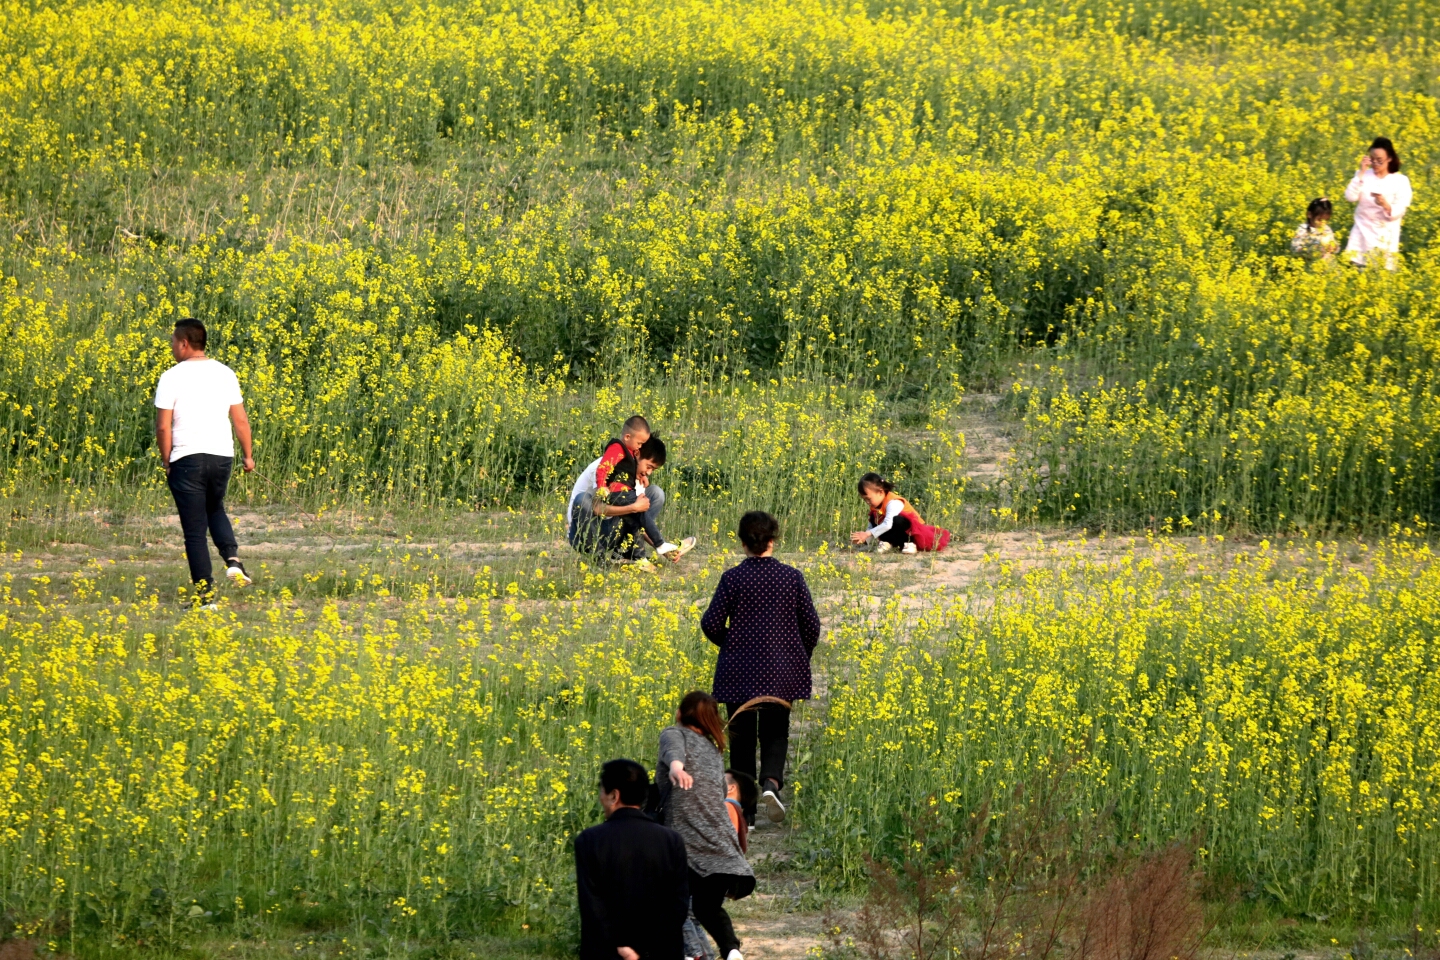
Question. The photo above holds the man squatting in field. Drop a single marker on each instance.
(615, 501)
(196, 402)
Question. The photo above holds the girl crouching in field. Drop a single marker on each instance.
(894, 524)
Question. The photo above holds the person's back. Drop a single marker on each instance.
(631, 877)
(200, 393)
(763, 619)
(196, 402)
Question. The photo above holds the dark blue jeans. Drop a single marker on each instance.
(198, 483)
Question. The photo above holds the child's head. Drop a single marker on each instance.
(635, 432)
(758, 530)
(741, 786)
(651, 456)
(1319, 211)
(873, 488)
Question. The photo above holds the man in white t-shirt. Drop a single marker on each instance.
(601, 527)
(197, 400)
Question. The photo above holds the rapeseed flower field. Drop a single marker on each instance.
(468, 207)
(411, 770)
(447, 247)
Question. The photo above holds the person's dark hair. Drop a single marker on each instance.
(1384, 144)
(192, 331)
(749, 791)
(1320, 206)
(757, 530)
(699, 710)
(629, 778)
(652, 449)
(876, 481)
(636, 422)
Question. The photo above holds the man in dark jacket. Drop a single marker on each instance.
(631, 877)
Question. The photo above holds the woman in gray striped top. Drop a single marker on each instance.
(691, 757)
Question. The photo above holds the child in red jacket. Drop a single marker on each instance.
(893, 522)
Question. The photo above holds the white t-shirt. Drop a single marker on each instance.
(586, 484)
(201, 392)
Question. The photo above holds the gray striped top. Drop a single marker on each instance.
(699, 814)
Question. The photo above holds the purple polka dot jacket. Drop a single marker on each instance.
(764, 622)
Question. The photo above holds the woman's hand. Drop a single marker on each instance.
(1365, 163)
(679, 777)
(859, 536)
(1381, 202)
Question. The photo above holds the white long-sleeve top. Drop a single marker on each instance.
(892, 510)
(1375, 229)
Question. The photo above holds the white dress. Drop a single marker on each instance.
(1374, 229)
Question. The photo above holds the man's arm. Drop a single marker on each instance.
(164, 435)
(242, 430)
(679, 881)
(603, 509)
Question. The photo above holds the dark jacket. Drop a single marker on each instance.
(631, 880)
(764, 622)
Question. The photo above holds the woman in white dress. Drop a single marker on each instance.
(1382, 195)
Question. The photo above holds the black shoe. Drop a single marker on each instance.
(203, 597)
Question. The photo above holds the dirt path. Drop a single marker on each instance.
(781, 919)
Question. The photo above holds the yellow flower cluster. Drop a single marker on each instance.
(1279, 707)
(427, 767)
(358, 761)
(357, 196)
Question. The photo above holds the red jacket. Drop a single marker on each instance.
(924, 536)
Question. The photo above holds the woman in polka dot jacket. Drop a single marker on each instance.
(764, 622)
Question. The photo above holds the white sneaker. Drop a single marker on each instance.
(235, 571)
(774, 809)
(734, 955)
(909, 548)
(679, 549)
(882, 547)
(212, 607)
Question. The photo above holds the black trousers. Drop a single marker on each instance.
(769, 724)
(899, 533)
(707, 902)
(198, 483)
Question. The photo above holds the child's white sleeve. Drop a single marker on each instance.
(892, 510)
